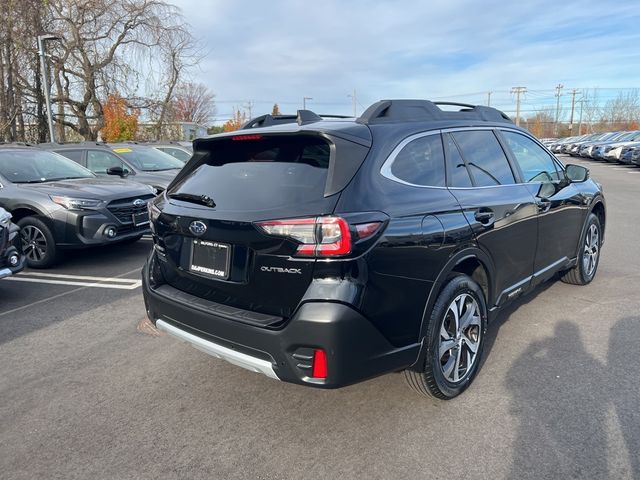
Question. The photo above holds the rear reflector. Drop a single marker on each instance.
(319, 369)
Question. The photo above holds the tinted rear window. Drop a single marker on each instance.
(421, 162)
(260, 174)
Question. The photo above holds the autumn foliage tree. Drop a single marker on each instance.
(120, 123)
(275, 110)
(235, 122)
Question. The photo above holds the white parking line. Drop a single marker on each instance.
(79, 277)
(77, 280)
(53, 297)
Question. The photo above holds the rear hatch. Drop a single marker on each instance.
(212, 246)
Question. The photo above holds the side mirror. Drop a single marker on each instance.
(576, 173)
(547, 190)
(119, 171)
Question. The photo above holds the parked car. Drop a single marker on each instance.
(11, 258)
(635, 155)
(132, 161)
(629, 152)
(175, 149)
(587, 149)
(573, 148)
(612, 151)
(325, 252)
(59, 204)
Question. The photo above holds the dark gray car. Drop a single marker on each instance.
(135, 162)
(59, 204)
(175, 149)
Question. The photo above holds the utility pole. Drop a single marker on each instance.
(354, 102)
(573, 106)
(489, 99)
(558, 88)
(45, 79)
(581, 102)
(304, 102)
(518, 91)
(249, 107)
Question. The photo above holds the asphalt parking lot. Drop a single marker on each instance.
(88, 390)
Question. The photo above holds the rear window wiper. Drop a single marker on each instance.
(189, 197)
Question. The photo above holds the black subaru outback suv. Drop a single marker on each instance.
(325, 252)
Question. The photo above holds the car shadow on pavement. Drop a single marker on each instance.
(561, 396)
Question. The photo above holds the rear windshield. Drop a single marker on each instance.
(260, 174)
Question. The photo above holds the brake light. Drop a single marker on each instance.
(319, 369)
(246, 137)
(318, 236)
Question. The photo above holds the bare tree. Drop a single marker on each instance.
(193, 102)
(107, 46)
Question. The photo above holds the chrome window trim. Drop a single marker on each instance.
(385, 170)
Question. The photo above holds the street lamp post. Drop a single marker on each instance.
(304, 102)
(45, 80)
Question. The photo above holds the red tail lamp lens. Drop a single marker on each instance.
(365, 230)
(319, 364)
(318, 236)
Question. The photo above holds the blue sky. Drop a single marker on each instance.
(282, 50)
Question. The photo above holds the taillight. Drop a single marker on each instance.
(320, 236)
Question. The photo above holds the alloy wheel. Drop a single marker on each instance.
(591, 250)
(34, 243)
(460, 336)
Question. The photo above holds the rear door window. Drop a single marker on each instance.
(456, 169)
(262, 173)
(75, 155)
(421, 162)
(485, 158)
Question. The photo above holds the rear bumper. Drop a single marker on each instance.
(232, 356)
(354, 348)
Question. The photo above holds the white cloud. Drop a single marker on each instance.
(280, 51)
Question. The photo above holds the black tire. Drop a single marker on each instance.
(38, 243)
(432, 380)
(583, 273)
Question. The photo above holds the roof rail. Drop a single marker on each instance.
(423, 110)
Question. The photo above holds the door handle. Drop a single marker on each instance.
(544, 205)
(484, 216)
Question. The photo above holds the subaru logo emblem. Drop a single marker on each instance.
(197, 228)
(138, 202)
